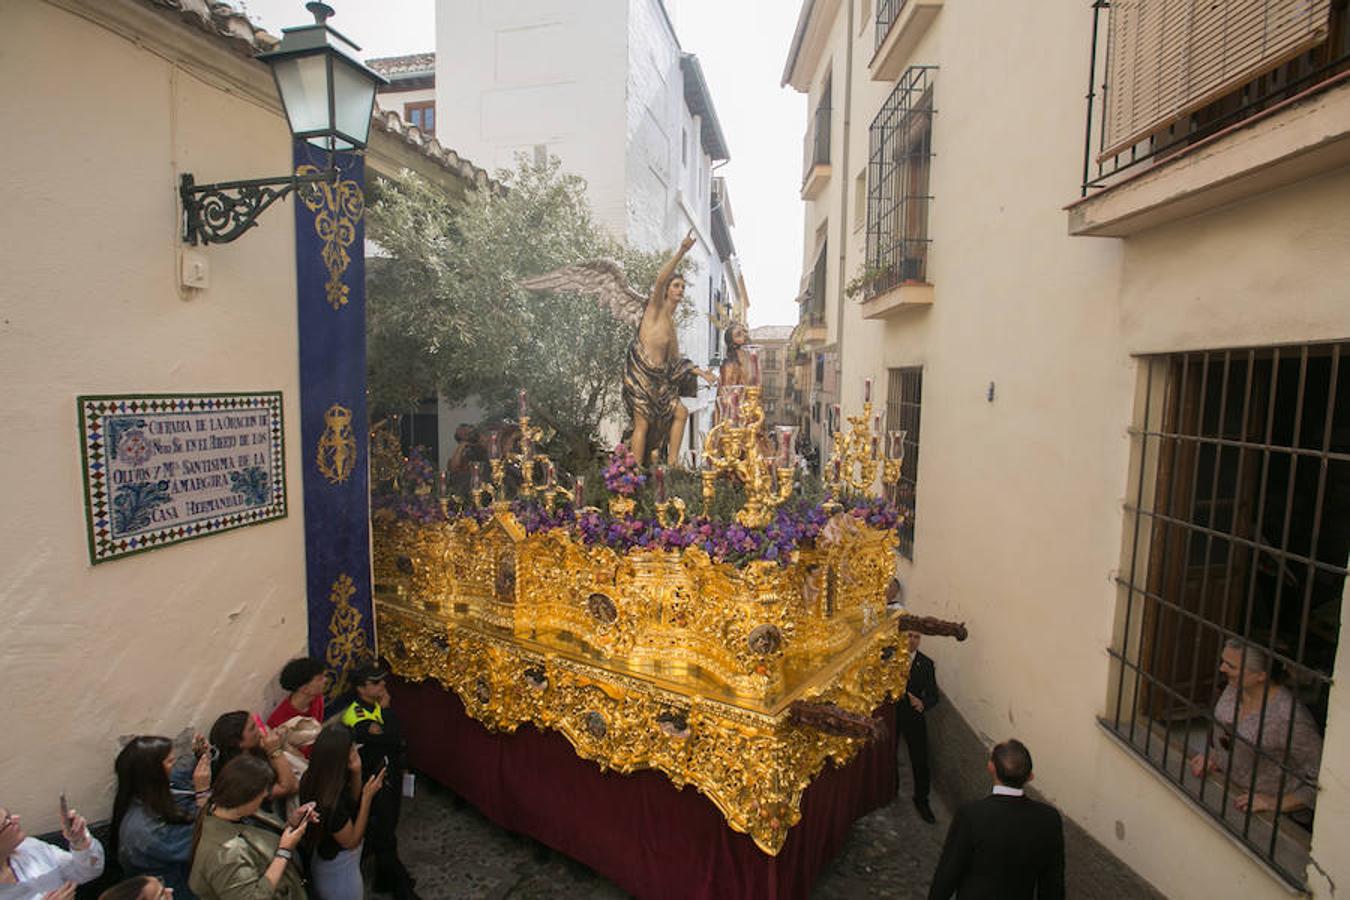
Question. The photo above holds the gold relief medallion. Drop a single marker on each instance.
(336, 454)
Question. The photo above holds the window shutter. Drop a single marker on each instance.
(1168, 58)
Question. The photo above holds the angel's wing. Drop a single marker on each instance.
(603, 279)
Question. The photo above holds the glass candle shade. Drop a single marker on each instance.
(579, 490)
(494, 445)
(475, 480)
(787, 449)
(867, 389)
(522, 404)
(837, 415)
(659, 480)
(550, 475)
(895, 444)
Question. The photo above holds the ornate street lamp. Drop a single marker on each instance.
(328, 96)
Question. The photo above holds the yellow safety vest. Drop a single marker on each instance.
(357, 713)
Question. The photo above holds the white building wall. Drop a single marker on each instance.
(512, 75)
(1019, 526)
(90, 301)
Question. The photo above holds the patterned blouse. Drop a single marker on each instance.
(1305, 746)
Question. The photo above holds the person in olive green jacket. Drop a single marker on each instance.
(238, 854)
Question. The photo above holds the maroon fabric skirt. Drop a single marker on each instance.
(646, 835)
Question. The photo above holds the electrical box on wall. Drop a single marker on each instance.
(196, 271)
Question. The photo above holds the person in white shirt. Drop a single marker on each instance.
(33, 870)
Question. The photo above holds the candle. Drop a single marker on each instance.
(494, 445)
(876, 424)
(475, 481)
(578, 489)
(550, 476)
(836, 468)
(785, 446)
(837, 417)
(659, 477)
(876, 446)
(867, 389)
(443, 484)
(522, 405)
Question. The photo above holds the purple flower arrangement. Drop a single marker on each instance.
(622, 475)
(795, 524)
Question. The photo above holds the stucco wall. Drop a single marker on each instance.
(89, 303)
(512, 74)
(1020, 499)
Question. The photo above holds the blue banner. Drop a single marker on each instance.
(330, 283)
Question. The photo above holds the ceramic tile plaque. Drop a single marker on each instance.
(164, 468)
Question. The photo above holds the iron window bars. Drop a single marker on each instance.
(1237, 528)
(900, 149)
(816, 143)
(1104, 164)
(887, 12)
(904, 398)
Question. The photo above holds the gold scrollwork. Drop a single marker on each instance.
(336, 453)
(347, 647)
(337, 209)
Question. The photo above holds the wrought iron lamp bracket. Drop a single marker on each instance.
(218, 213)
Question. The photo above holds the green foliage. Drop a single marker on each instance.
(446, 311)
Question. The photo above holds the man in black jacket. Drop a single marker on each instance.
(921, 695)
(1006, 846)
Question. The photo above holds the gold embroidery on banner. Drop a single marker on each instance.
(336, 453)
(337, 209)
(347, 648)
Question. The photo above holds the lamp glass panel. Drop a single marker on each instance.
(303, 82)
(354, 100)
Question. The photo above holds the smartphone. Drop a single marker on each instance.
(257, 720)
(65, 811)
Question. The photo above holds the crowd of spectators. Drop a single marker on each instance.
(285, 808)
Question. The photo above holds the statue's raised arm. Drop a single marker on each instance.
(653, 371)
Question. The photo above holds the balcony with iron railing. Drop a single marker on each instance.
(816, 150)
(812, 302)
(1240, 99)
(900, 24)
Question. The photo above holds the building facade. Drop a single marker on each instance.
(1123, 366)
(604, 86)
(778, 373)
(411, 91)
(97, 299)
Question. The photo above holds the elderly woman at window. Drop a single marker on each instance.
(1260, 744)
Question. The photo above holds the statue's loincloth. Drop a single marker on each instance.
(652, 392)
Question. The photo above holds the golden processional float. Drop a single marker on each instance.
(734, 655)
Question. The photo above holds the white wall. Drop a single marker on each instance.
(513, 74)
(1020, 500)
(89, 304)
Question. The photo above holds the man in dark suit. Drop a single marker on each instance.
(1006, 846)
(921, 695)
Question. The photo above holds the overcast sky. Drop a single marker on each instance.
(742, 45)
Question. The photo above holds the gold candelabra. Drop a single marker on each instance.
(857, 455)
(733, 448)
(525, 459)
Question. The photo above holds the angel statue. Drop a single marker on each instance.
(654, 370)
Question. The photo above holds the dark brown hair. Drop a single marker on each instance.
(141, 776)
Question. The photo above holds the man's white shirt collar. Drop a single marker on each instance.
(1005, 791)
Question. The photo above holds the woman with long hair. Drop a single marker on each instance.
(238, 853)
(237, 733)
(151, 825)
(333, 784)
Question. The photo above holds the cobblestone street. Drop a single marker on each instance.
(455, 852)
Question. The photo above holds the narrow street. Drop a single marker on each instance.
(454, 852)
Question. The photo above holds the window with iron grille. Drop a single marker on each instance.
(1237, 534)
(812, 309)
(1165, 76)
(887, 12)
(900, 151)
(816, 143)
(904, 395)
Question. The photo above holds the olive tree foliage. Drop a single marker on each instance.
(446, 311)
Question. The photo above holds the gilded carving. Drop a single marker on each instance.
(337, 209)
(335, 456)
(347, 646)
(654, 659)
